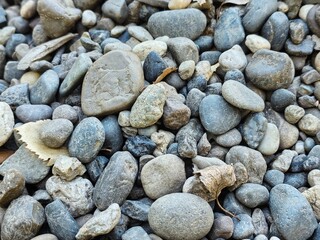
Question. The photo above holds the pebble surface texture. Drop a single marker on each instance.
(145, 119)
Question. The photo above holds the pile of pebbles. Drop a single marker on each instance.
(110, 109)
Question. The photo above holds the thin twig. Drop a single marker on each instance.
(226, 211)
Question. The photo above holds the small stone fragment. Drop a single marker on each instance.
(68, 168)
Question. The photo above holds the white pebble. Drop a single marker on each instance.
(89, 18)
(314, 177)
(303, 13)
(255, 42)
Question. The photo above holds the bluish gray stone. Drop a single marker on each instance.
(276, 30)
(140, 145)
(281, 98)
(313, 20)
(311, 163)
(217, 116)
(198, 82)
(188, 23)
(113, 135)
(316, 234)
(252, 195)
(236, 75)
(193, 129)
(296, 180)
(243, 228)
(3, 17)
(257, 11)
(45, 89)
(120, 228)
(14, 41)
(95, 168)
(274, 177)
(193, 101)
(21, 24)
(211, 56)
(204, 43)
(232, 204)
(16, 95)
(87, 139)
(135, 233)
(137, 210)
(116, 181)
(11, 71)
(60, 221)
(229, 30)
(32, 113)
(254, 129)
(153, 66)
(303, 49)
(289, 208)
(298, 30)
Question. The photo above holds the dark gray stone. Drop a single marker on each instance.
(45, 89)
(14, 41)
(3, 61)
(113, 135)
(153, 66)
(316, 234)
(187, 147)
(257, 11)
(193, 129)
(175, 81)
(16, 95)
(236, 75)
(31, 113)
(189, 23)
(296, 180)
(99, 35)
(252, 195)
(233, 205)
(311, 163)
(217, 116)
(95, 168)
(276, 30)
(274, 177)
(298, 30)
(289, 208)
(21, 24)
(120, 228)
(116, 181)
(11, 71)
(229, 30)
(281, 98)
(243, 228)
(60, 221)
(211, 56)
(183, 49)
(303, 49)
(198, 82)
(140, 145)
(3, 17)
(137, 210)
(204, 43)
(87, 139)
(297, 163)
(135, 233)
(294, 7)
(23, 219)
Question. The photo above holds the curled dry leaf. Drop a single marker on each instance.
(29, 133)
(201, 2)
(43, 50)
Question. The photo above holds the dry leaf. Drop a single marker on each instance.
(29, 134)
(43, 50)
(235, 2)
(201, 2)
(215, 178)
(4, 154)
(165, 73)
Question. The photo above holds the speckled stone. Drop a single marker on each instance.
(31, 113)
(183, 49)
(6, 122)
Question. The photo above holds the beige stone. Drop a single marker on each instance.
(178, 4)
(313, 197)
(68, 168)
(143, 49)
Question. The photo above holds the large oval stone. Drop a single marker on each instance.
(112, 83)
(270, 70)
(188, 23)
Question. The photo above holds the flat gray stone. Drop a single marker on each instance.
(32, 113)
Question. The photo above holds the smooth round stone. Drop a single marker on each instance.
(137, 209)
(305, 48)
(65, 111)
(230, 138)
(95, 168)
(313, 20)
(233, 58)
(115, 80)
(87, 139)
(45, 89)
(204, 43)
(311, 163)
(11, 71)
(116, 181)
(186, 69)
(189, 217)
(13, 42)
(293, 113)
(31, 113)
(274, 177)
(21, 24)
(148, 108)
(222, 117)
(139, 33)
(232, 204)
(284, 160)
(255, 42)
(177, 47)
(211, 56)
(244, 228)
(270, 141)
(304, 10)
(314, 177)
(309, 124)
(11, 187)
(135, 233)
(241, 96)
(113, 135)
(193, 101)
(60, 221)
(143, 49)
(153, 66)
(163, 175)
(30, 77)
(298, 30)
(55, 133)
(6, 122)
(116, 10)
(46, 236)
(222, 228)
(313, 196)
(276, 30)
(178, 4)
(5, 33)
(198, 82)
(288, 209)
(189, 23)
(89, 18)
(16, 95)
(252, 195)
(236, 75)
(278, 70)
(116, 46)
(281, 98)
(24, 211)
(229, 30)
(296, 180)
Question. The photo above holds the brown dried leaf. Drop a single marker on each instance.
(201, 2)
(235, 2)
(216, 178)
(29, 134)
(43, 50)
(165, 73)
(4, 154)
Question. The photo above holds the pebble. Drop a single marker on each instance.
(6, 33)
(229, 30)
(32, 113)
(139, 33)
(121, 65)
(30, 77)
(225, 116)
(113, 136)
(309, 124)
(11, 187)
(274, 177)
(278, 70)
(16, 95)
(101, 223)
(137, 210)
(304, 10)
(57, 18)
(198, 82)
(11, 71)
(75, 194)
(135, 233)
(143, 49)
(313, 197)
(116, 10)
(241, 96)
(170, 169)
(68, 168)
(95, 168)
(313, 21)
(222, 228)
(162, 139)
(281, 98)
(284, 160)
(230, 138)
(305, 48)
(46, 236)
(153, 66)
(179, 23)
(175, 114)
(148, 108)
(75, 75)
(203, 68)
(252, 195)
(276, 30)
(311, 163)
(6, 122)
(259, 222)
(60, 221)
(298, 30)
(13, 42)
(310, 77)
(21, 24)
(23, 219)
(89, 18)
(140, 145)
(116, 181)
(270, 141)
(178, 4)
(186, 69)
(314, 177)
(253, 161)
(190, 217)
(177, 47)
(27, 163)
(211, 56)
(232, 204)
(288, 209)
(193, 101)
(293, 113)
(243, 228)
(253, 22)
(234, 58)
(255, 42)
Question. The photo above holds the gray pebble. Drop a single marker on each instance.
(193, 129)
(274, 177)
(230, 138)
(95, 168)
(175, 114)
(252, 195)
(16, 95)
(177, 46)
(305, 48)
(243, 228)
(41, 66)
(281, 98)
(204, 43)
(153, 66)
(310, 77)
(236, 75)
(193, 101)
(259, 222)
(113, 135)
(11, 71)
(211, 56)
(31, 113)
(14, 41)
(296, 180)
(65, 111)
(135, 233)
(232, 204)
(298, 30)
(137, 210)
(21, 24)
(187, 147)
(222, 228)
(140, 145)
(116, 10)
